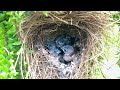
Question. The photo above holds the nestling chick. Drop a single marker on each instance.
(64, 40)
(61, 59)
(53, 50)
(68, 58)
(68, 52)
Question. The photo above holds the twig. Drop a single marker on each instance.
(102, 74)
(6, 50)
(20, 66)
(60, 19)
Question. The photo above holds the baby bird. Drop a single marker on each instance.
(68, 58)
(61, 59)
(53, 50)
(68, 49)
(64, 40)
(68, 52)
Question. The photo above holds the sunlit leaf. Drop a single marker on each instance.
(21, 13)
(46, 13)
(29, 51)
(2, 17)
(17, 43)
(20, 51)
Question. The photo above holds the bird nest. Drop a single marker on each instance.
(37, 29)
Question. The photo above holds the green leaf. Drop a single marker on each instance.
(16, 43)
(1, 58)
(2, 17)
(13, 73)
(27, 13)
(1, 28)
(21, 13)
(2, 43)
(45, 13)
(29, 51)
(3, 75)
(4, 68)
(3, 52)
(10, 46)
(10, 55)
(20, 51)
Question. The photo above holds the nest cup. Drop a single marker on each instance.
(37, 29)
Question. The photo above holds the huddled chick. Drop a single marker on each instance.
(68, 52)
(64, 40)
(53, 50)
(66, 43)
(62, 47)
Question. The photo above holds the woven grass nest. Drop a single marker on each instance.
(37, 29)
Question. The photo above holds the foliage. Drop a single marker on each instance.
(9, 43)
(108, 59)
(116, 19)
